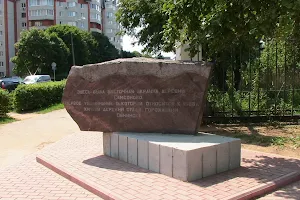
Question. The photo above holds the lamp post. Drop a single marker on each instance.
(72, 43)
(53, 65)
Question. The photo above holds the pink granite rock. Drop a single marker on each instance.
(138, 95)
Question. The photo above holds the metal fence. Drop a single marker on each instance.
(257, 84)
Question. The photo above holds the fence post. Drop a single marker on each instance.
(284, 89)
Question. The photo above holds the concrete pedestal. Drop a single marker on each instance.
(184, 157)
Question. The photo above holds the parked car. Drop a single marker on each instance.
(36, 79)
(10, 84)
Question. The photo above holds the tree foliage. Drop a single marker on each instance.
(36, 50)
(219, 24)
(82, 42)
(104, 50)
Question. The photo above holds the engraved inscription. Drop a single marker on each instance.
(132, 103)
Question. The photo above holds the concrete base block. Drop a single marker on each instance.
(143, 155)
(114, 145)
(154, 157)
(184, 157)
(132, 151)
(123, 148)
(106, 144)
(166, 157)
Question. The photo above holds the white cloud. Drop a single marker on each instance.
(127, 46)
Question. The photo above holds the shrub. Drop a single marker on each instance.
(4, 102)
(37, 96)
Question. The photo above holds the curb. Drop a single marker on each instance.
(268, 187)
(106, 194)
(88, 185)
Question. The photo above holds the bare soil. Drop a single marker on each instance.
(277, 139)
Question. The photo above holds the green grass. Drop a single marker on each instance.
(262, 140)
(50, 108)
(6, 120)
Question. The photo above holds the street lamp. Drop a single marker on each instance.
(72, 43)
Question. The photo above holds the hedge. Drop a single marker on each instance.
(36, 96)
(4, 102)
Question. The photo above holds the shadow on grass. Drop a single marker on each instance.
(44, 110)
(6, 120)
(253, 137)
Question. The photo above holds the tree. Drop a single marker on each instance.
(127, 54)
(144, 20)
(216, 24)
(104, 50)
(36, 50)
(83, 43)
(137, 54)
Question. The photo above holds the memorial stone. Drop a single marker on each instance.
(138, 95)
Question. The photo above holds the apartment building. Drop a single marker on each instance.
(110, 24)
(19, 15)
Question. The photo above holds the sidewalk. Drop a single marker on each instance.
(22, 138)
(21, 177)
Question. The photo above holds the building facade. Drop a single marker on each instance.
(19, 15)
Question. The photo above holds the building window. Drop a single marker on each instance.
(1, 33)
(95, 16)
(41, 12)
(41, 2)
(1, 64)
(71, 4)
(50, 12)
(72, 23)
(24, 24)
(1, 22)
(23, 15)
(60, 4)
(23, 5)
(82, 24)
(60, 22)
(1, 43)
(1, 53)
(1, 74)
(109, 14)
(38, 23)
(61, 13)
(0, 12)
(72, 14)
(81, 6)
(110, 22)
(111, 30)
(82, 14)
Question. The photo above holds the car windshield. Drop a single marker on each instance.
(31, 79)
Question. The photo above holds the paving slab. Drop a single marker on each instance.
(80, 159)
(31, 181)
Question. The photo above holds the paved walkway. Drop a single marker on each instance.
(21, 177)
(79, 158)
(28, 180)
(22, 138)
(289, 192)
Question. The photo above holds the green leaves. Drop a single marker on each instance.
(220, 24)
(37, 49)
(4, 105)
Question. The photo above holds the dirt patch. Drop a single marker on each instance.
(278, 139)
(22, 116)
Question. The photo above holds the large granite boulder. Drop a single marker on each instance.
(138, 95)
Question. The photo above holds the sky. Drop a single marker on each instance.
(128, 40)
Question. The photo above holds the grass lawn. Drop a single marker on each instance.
(50, 108)
(6, 120)
(283, 140)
